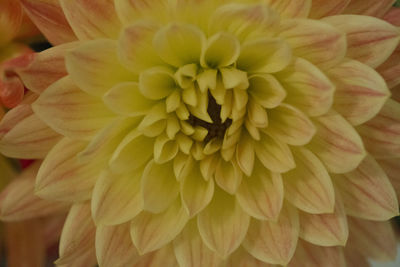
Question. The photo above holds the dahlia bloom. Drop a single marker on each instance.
(215, 132)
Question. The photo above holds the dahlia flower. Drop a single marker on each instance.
(214, 132)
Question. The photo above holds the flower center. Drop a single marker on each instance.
(217, 128)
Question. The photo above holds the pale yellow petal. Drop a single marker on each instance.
(150, 232)
(228, 175)
(220, 50)
(274, 242)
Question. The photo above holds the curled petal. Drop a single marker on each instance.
(261, 195)
(337, 143)
(190, 250)
(315, 41)
(223, 224)
(94, 66)
(63, 177)
(381, 135)
(266, 90)
(116, 198)
(114, 247)
(150, 232)
(322, 8)
(367, 192)
(49, 18)
(274, 242)
(221, 50)
(360, 91)
(91, 19)
(309, 186)
(70, 111)
(369, 40)
(157, 83)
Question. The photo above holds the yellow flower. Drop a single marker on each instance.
(215, 133)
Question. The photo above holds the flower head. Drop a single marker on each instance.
(203, 132)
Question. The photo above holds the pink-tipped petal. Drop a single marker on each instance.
(369, 7)
(360, 91)
(70, 111)
(45, 68)
(91, 19)
(393, 16)
(63, 177)
(317, 256)
(49, 18)
(274, 242)
(375, 240)
(150, 231)
(116, 198)
(190, 250)
(390, 69)
(18, 202)
(114, 247)
(78, 234)
(315, 41)
(367, 192)
(337, 143)
(322, 8)
(381, 135)
(308, 186)
(223, 224)
(329, 229)
(391, 166)
(369, 40)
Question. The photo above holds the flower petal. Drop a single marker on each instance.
(18, 202)
(114, 247)
(63, 177)
(95, 68)
(336, 143)
(315, 41)
(70, 111)
(274, 242)
(221, 50)
(291, 9)
(290, 125)
(126, 99)
(321, 8)
(367, 192)
(309, 186)
(46, 68)
(274, 154)
(157, 83)
(91, 19)
(49, 18)
(241, 258)
(390, 69)
(265, 55)
(195, 192)
(392, 16)
(266, 90)
(261, 194)
(159, 187)
(245, 154)
(116, 198)
(179, 44)
(317, 256)
(391, 166)
(163, 257)
(190, 250)
(223, 224)
(130, 11)
(375, 240)
(329, 229)
(228, 175)
(360, 91)
(78, 234)
(307, 87)
(369, 40)
(381, 135)
(30, 138)
(11, 19)
(150, 232)
(369, 7)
